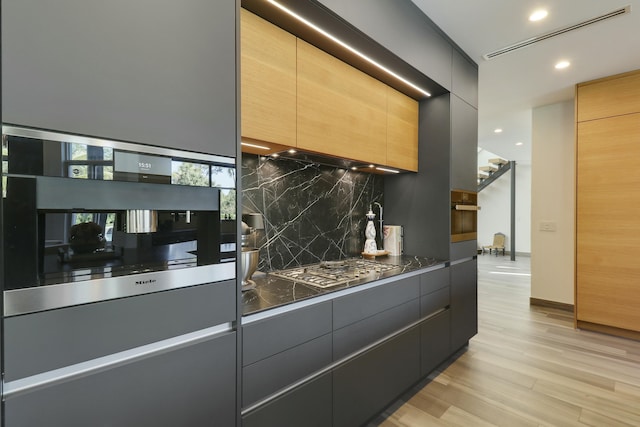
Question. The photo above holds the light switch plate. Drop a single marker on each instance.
(548, 226)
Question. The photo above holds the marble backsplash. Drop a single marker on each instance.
(311, 212)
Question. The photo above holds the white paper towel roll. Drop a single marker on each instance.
(393, 239)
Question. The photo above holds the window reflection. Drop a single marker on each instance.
(188, 173)
(228, 204)
(89, 162)
(223, 177)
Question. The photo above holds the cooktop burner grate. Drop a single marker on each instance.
(333, 273)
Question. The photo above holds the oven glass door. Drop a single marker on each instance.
(112, 215)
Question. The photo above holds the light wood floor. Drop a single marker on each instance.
(527, 366)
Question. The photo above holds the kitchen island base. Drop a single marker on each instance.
(386, 337)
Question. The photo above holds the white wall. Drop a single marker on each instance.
(552, 201)
(495, 202)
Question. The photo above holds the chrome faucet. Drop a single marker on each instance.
(381, 220)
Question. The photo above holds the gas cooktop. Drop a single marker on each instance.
(333, 273)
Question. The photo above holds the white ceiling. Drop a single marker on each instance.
(512, 84)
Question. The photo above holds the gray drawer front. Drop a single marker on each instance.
(270, 375)
(308, 405)
(370, 382)
(435, 343)
(434, 301)
(40, 342)
(190, 386)
(434, 280)
(360, 334)
(355, 307)
(273, 335)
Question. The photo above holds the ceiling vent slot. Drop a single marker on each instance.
(533, 40)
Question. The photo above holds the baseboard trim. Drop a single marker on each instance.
(551, 304)
(506, 253)
(610, 330)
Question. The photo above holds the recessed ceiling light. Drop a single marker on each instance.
(291, 151)
(348, 47)
(372, 166)
(519, 143)
(498, 130)
(562, 64)
(354, 168)
(275, 155)
(538, 15)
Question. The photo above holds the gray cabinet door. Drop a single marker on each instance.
(192, 386)
(464, 143)
(465, 249)
(308, 405)
(367, 384)
(464, 78)
(435, 341)
(464, 303)
(155, 72)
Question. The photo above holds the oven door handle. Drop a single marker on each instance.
(467, 208)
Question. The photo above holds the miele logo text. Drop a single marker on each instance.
(145, 282)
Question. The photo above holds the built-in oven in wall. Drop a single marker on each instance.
(86, 220)
(464, 215)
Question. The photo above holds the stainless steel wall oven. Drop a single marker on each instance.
(86, 219)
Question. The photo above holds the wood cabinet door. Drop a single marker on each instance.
(608, 97)
(341, 110)
(607, 225)
(402, 131)
(268, 81)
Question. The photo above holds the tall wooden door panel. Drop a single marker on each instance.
(268, 83)
(608, 229)
(341, 110)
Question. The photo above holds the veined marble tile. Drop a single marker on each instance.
(311, 212)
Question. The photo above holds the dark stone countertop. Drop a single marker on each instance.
(271, 291)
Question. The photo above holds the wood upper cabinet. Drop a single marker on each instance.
(402, 131)
(608, 97)
(268, 82)
(341, 110)
(296, 95)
